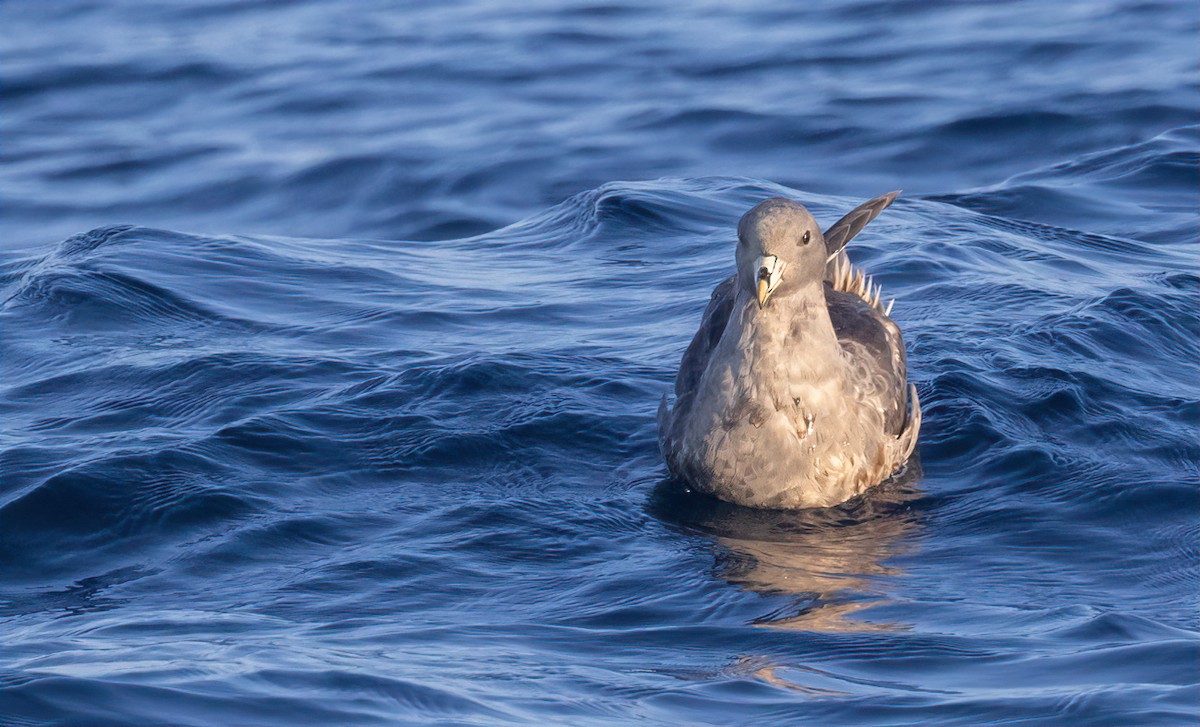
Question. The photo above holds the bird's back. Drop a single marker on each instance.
(873, 347)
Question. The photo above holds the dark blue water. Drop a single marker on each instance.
(261, 462)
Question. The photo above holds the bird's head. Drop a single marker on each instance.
(780, 250)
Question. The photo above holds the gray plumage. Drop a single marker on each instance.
(793, 391)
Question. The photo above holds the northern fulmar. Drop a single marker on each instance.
(794, 391)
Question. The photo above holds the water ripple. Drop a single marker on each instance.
(313, 473)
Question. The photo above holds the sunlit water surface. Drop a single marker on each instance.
(262, 464)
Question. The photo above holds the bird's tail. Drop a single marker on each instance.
(845, 277)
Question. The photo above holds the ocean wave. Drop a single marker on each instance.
(272, 479)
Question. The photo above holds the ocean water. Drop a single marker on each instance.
(331, 338)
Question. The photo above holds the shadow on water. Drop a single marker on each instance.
(832, 562)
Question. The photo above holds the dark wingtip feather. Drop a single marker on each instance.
(842, 231)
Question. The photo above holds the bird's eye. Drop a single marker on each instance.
(807, 235)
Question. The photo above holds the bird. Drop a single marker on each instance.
(793, 393)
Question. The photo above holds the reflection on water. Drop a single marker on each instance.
(805, 680)
(834, 562)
